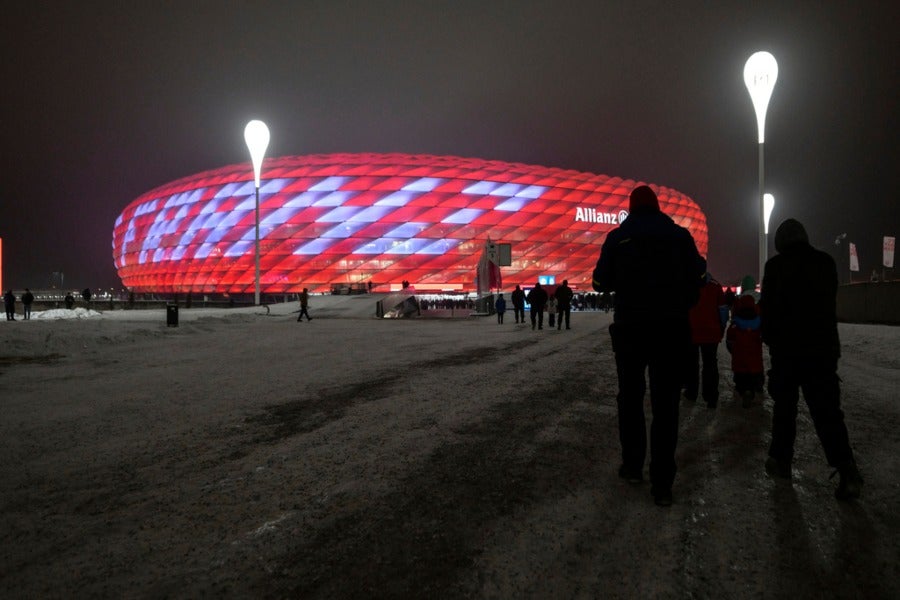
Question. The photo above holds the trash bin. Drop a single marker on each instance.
(172, 315)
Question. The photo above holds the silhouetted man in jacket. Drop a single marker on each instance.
(654, 268)
(537, 298)
(563, 295)
(799, 324)
(518, 302)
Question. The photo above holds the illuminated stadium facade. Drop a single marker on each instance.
(342, 219)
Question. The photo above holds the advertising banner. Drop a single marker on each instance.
(889, 252)
(854, 260)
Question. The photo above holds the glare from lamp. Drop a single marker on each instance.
(256, 134)
(760, 74)
(768, 205)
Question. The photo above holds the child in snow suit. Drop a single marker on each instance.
(744, 341)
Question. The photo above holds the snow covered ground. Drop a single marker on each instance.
(245, 454)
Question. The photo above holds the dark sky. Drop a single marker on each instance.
(102, 104)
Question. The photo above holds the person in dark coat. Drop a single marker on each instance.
(563, 295)
(537, 298)
(9, 302)
(70, 301)
(500, 308)
(518, 302)
(654, 268)
(27, 301)
(799, 325)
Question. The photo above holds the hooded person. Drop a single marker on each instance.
(646, 258)
(799, 325)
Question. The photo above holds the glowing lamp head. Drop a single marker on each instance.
(768, 205)
(760, 74)
(256, 134)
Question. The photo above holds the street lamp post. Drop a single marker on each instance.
(760, 74)
(768, 207)
(256, 134)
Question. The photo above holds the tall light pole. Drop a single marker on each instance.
(768, 207)
(256, 134)
(760, 74)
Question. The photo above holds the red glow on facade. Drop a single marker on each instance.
(380, 218)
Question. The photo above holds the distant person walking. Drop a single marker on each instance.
(304, 305)
(86, 294)
(518, 302)
(27, 301)
(500, 308)
(551, 311)
(563, 295)
(654, 268)
(70, 301)
(799, 324)
(537, 298)
(9, 302)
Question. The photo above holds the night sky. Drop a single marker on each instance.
(105, 101)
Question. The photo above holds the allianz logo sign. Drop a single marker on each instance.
(592, 215)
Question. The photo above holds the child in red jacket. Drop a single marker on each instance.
(744, 341)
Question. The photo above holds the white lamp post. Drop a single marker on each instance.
(760, 74)
(256, 134)
(768, 206)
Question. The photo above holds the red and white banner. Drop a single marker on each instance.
(854, 260)
(889, 252)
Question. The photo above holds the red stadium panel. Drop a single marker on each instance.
(380, 218)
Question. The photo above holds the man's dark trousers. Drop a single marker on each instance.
(654, 348)
(818, 379)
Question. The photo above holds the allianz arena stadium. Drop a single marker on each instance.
(354, 219)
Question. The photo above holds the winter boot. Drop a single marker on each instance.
(850, 485)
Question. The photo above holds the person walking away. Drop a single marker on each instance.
(70, 301)
(304, 305)
(744, 341)
(537, 298)
(708, 319)
(646, 258)
(9, 302)
(563, 296)
(500, 308)
(27, 301)
(799, 325)
(518, 302)
(551, 311)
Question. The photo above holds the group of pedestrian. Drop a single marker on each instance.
(557, 305)
(668, 306)
(9, 303)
